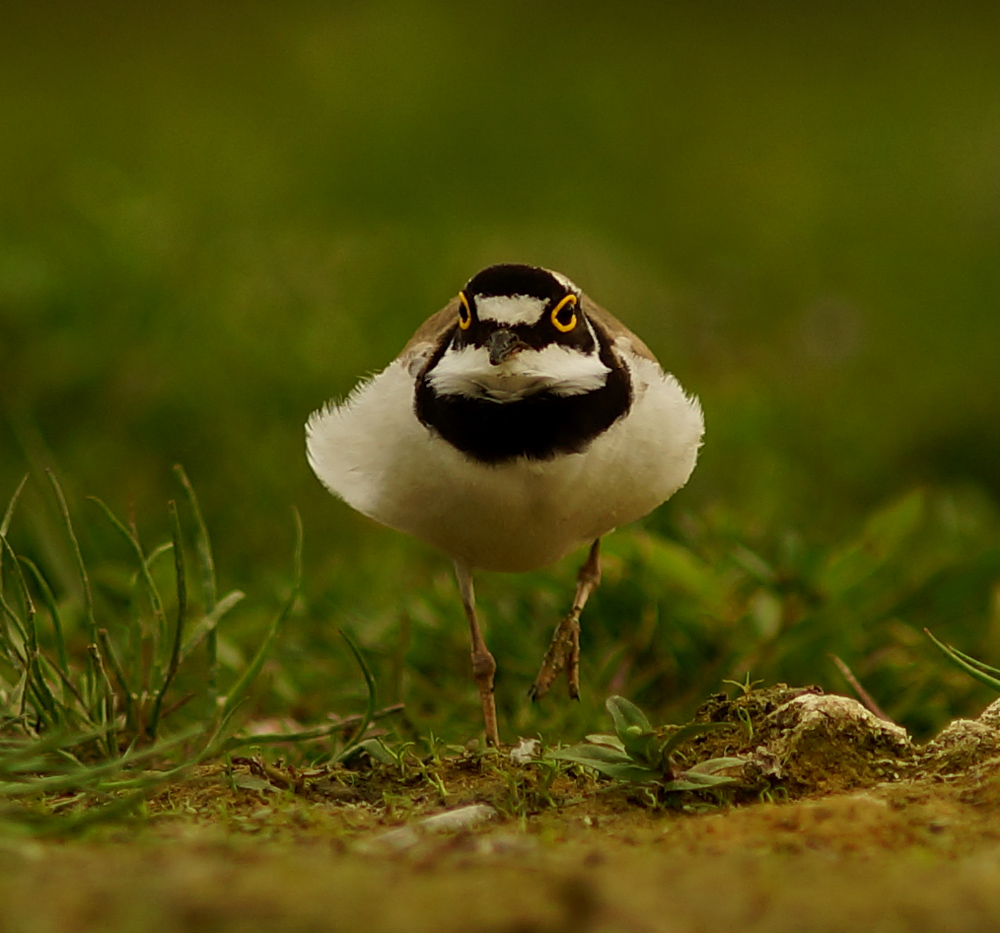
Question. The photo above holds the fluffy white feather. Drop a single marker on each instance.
(374, 453)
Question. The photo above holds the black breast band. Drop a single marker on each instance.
(538, 427)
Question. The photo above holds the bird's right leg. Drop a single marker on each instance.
(483, 664)
(564, 651)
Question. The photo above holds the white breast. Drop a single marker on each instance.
(374, 453)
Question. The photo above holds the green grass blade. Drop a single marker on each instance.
(150, 651)
(37, 687)
(81, 710)
(209, 588)
(17, 754)
(152, 590)
(120, 676)
(88, 596)
(209, 622)
(175, 650)
(18, 624)
(203, 542)
(8, 515)
(969, 666)
(48, 598)
(91, 777)
(309, 735)
(372, 697)
(16, 699)
(30, 632)
(975, 662)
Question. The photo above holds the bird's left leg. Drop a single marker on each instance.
(483, 664)
(564, 651)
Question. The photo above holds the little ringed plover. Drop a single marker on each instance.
(519, 423)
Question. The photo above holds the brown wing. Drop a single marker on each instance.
(614, 328)
(429, 334)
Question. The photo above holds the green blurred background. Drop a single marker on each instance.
(215, 217)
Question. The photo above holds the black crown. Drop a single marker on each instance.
(509, 279)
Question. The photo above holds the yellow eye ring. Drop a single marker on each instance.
(571, 323)
(464, 312)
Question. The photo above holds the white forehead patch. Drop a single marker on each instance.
(510, 309)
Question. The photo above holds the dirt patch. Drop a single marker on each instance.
(837, 820)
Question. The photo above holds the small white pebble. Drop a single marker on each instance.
(450, 821)
(526, 750)
(453, 820)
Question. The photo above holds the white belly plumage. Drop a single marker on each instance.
(372, 452)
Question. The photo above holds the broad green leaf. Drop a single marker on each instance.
(623, 771)
(591, 752)
(704, 780)
(625, 713)
(699, 782)
(715, 764)
(376, 750)
(631, 774)
(634, 731)
(611, 740)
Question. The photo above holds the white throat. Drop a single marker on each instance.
(555, 368)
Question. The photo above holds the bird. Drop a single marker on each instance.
(520, 422)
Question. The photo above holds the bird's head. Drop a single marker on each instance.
(519, 330)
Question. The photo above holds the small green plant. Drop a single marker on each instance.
(746, 685)
(636, 754)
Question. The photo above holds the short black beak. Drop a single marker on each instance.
(502, 344)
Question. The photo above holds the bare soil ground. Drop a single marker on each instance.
(837, 822)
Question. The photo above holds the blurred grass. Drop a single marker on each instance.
(213, 219)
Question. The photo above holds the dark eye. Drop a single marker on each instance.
(564, 314)
(464, 311)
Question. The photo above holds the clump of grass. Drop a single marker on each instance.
(85, 726)
(638, 754)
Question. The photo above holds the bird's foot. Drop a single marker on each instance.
(564, 652)
(483, 669)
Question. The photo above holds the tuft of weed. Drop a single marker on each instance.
(97, 724)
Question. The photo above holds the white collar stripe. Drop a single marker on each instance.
(555, 369)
